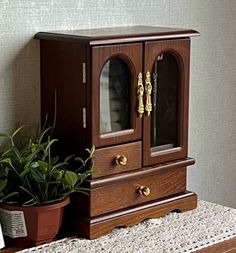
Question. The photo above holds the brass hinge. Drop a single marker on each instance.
(84, 117)
(84, 72)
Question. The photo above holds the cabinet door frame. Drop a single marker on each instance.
(180, 49)
(132, 55)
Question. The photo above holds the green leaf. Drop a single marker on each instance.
(17, 131)
(59, 165)
(30, 193)
(6, 153)
(71, 178)
(6, 160)
(43, 166)
(5, 135)
(54, 160)
(38, 175)
(82, 189)
(10, 195)
(16, 152)
(57, 175)
(68, 158)
(49, 144)
(25, 170)
(80, 160)
(30, 202)
(42, 135)
(3, 184)
(91, 151)
(34, 165)
(34, 150)
(85, 191)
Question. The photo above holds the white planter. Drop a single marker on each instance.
(2, 244)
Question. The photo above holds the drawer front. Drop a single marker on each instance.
(117, 159)
(129, 192)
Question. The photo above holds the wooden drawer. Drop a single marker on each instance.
(105, 159)
(124, 192)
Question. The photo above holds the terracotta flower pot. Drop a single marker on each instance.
(42, 223)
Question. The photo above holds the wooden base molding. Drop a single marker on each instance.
(94, 227)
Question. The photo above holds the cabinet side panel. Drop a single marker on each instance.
(63, 93)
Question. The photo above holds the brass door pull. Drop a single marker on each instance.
(140, 92)
(148, 91)
(144, 190)
(121, 160)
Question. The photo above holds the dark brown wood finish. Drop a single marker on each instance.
(117, 35)
(180, 49)
(132, 55)
(105, 159)
(227, 246)
(97, 226)
(11, 249)
(61, 72)
(85, 209)
(125, 193)
(146, 171)
(114, 200)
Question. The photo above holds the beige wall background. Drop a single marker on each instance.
(213, 77)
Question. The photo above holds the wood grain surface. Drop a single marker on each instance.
(124, 193)
(105, 159)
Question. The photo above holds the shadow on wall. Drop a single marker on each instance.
(26, 86)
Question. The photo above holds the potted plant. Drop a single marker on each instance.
(37, 185)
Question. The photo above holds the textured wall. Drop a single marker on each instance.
(213, 75)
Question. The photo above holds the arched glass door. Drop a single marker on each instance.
(165, 126)
(164, 115)
(115, 119)
(115, 89)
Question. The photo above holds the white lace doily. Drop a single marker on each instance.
(174, 233)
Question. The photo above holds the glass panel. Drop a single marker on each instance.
(165, 103)
(114, 96)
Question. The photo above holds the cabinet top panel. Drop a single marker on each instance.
(102, 36)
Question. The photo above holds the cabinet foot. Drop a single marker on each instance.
(95, 227)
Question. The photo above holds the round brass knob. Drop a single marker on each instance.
(144, 190)
(121, 160)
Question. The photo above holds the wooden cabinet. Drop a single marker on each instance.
(125, 90)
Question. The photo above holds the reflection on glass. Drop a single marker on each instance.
(165, 103)
(114, 96)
